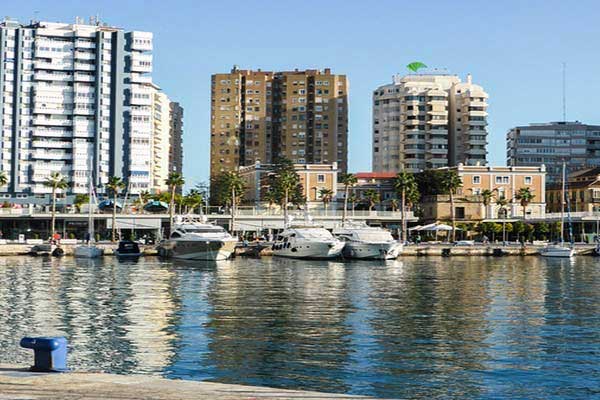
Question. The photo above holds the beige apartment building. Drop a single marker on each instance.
(501, 181)
(425, 121)
(258, 116)
(160, 141)
(313, 178)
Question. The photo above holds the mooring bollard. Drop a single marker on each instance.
(50, 353)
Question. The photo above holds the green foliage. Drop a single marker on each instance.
(486, 197)
(3, 178)
(285, 180)
(372, 197)
(224, 186)
(115, 185)
(80, 199)
(528, 232)
(451, 182)
(519, 227)
(508, 227)
(349, 180)
(430, 182)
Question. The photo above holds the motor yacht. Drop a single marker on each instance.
(307, 241)
(558, 250)
(193, 238)
(367, 242)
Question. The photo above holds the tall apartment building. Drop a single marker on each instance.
(427, 121)
(260, 116)
(75, 99)
(176, 138)
(160, 141)
(551, 144)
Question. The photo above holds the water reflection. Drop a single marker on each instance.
(414, 328)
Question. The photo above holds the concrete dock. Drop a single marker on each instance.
(20, 384)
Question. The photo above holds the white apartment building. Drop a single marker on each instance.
(75, 99)
(427, 121)
(161, 138)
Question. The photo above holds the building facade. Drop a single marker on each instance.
(427, 121)
(313, 178)
(160, 141)
(176, 138)
(503, 182)
(259, 116)
(382, 182)
(75, 100)
(582, 192)
(551, 144)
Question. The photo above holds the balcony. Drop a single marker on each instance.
(84, 44)
(52, 65)
(84, 55)
(51, 144)
(79, 77)
(40, 121)
(84, 67)
(56, 77)
(40, 132)
(53, 110)
(50, 155)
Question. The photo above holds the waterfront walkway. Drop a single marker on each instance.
(18, 383)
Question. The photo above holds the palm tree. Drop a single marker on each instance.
(3, 178)
(451, 182)
(80, 199)
(349, 180)
(486, 199)
(235, 187)
(352, 199)
(174, 180)
(525, 197)
(502, 202)
(271, 197)
(115, 185)
(193, 199)
(56, 181)
(326, 197)
(394, 204)
(372, 197)
(287, 180)
(403, 183)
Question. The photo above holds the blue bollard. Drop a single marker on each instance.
(50, 353)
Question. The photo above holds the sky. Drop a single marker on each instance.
(514, 49)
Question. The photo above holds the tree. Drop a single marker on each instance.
(270, 197)
(394, 204)
(285, 181)
(174, 180)
(525, 197)
(372, 197)
(115, 185)
(3, 178)
(529, 229)
(403, 183)
(80, 199)
(326, 197)
(56, 181)
(486, 200)
(348, 180)
(542, 229)
(352, 199)
(431, 182)
(233, 185)
(192, 200)
(518, 228)
(451, 183)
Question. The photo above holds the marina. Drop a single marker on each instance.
(388, 329)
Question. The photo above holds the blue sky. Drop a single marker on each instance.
(514, 49)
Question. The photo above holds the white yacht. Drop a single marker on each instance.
(307, 241)
(558, 250)
(363, 241)
(192, 238)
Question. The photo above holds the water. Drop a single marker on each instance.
(414, 328)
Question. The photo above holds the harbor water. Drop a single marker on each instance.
(417, 327)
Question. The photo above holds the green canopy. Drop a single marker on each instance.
(415, 66)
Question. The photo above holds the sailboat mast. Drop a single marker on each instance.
(90, 217)
(562, 205)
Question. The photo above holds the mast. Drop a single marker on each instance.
(562, 206)
(90, 216)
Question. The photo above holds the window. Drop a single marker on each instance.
(477, 180)
(502, 180)
(528, 180)
(320, 178)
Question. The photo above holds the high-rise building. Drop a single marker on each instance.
(551, 144)
(176, 138)
(260, 116)
(427, 121)
(76, 100)
(160, 141)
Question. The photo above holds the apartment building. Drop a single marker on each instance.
(75, 100)
(160, 141)
(503, 182)
(259, 116)
(551, 144)
(176, 138)
(424, 121)
(582, 192)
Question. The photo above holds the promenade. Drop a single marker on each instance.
(18, 383)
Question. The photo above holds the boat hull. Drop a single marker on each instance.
(201, 250)
(88, 252)
(561, 252)
(376, 251)
(310, 250)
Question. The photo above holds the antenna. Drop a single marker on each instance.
(564, 91)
